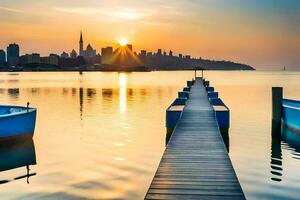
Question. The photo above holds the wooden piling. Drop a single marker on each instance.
(277, 95)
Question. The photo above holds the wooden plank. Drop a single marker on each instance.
(195, 164)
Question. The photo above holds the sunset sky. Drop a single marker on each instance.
(264, 34)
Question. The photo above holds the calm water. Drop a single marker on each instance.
(101, 135)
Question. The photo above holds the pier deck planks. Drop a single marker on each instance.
(195, 164)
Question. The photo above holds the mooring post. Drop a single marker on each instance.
(277, 94)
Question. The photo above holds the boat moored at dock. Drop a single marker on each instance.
(291, 113)
(16, 122)
(222, 112)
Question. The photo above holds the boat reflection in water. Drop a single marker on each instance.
(291, 136)
(16, 154)
(290, 140)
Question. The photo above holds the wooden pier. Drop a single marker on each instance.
(195, 164)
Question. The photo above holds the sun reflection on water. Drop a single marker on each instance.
(122, 91)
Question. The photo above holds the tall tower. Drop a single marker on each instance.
(81, 52)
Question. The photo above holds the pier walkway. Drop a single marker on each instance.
(195, 164)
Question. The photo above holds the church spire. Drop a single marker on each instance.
(81, 40)
(81, 51)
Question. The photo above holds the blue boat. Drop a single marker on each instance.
(291, 113)
(173, 113)
(222, 112)
(16, 122)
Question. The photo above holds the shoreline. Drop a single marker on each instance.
(125, 70)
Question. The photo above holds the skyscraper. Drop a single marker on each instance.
(13, 54)
(81, 51)
(2, 56)
(107, 54)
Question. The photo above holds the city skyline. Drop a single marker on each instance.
(263, 35)
(122, 58)
(85, 49)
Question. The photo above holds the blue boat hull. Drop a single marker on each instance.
(172, 117)
(223, 117)
(16, 122)
(291, 113)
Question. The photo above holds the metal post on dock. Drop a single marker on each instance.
(277, 95)
(202, 73)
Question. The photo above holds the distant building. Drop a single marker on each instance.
(123, 56)
(81, 51)
(30, 58)
(180, 56)
(45, 60)
(35, 58)
(73, 54)
(97, 59)
(90, 52)
(71, 64)
(188, 57)
(143, 53)
(13, 52)
(149, 60)
(90, 55)
(129, 46)
(159, 52)
(64, 55)
(143, 57)
(2, 56)
(52, 59)
(106, 55)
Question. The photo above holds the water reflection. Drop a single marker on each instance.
(276, 154)
(292, 138)
(123, 91)
(74, 91)
(276, 160)
(15, 155)
(107, 93)
(81, 101)
(289, 140)
(91, 92)
(13, 92)
(34, 90)
(65, 91)
(141, 130)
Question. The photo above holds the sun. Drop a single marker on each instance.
(123, 42)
